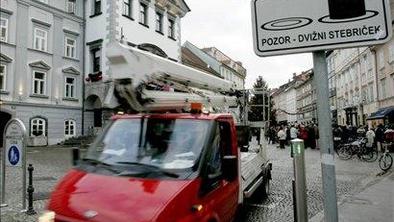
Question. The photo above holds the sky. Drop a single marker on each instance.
(227, 25)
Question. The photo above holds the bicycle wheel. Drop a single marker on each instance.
(370, 155)
(344, 152)
(385, 161)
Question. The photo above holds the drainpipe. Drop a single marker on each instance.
(83, 66)
(373, 50)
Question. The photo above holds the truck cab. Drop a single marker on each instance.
(178, 167)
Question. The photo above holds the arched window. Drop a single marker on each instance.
(69, 128)
(37, 126)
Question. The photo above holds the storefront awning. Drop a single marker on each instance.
(382, 113)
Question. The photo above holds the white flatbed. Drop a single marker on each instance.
(253, 165)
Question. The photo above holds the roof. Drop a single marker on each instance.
(208, 59)
(225, 59)
(382, 113)
(190, 59)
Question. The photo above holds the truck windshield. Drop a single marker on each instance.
(160, 143)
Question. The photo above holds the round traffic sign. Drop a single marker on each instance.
(13, 155)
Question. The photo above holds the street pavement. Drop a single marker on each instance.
(353, 178)
(361, 189)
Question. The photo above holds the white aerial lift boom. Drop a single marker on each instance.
(145, 82)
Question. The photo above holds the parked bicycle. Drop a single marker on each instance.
(386, 160)
(357, 147)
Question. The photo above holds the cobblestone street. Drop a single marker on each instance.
(352, 177)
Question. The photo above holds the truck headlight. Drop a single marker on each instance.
(47, 216)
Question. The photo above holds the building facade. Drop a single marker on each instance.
(362, 81)
(285, 99)
(222, 65)
(231, 70)
(41, 67)
(306, 100)
(153, 25)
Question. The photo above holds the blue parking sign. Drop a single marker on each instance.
(14, 155)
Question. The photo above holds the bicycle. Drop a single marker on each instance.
(386, 160)
(358, 147)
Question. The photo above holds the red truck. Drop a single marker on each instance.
(193, 165)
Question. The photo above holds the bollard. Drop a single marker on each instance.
(75, 155)
(30, 191)
(297, 152)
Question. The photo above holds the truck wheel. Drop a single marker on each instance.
(266, 188)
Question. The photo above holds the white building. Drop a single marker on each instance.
(285, 99)
(41, 67)
(230, 70)
(154, 25)
(356, 90)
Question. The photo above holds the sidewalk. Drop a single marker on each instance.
(374, 204)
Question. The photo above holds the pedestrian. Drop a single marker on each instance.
(316, 129)
(311, 140)
(293, 132)
(337, 134)
(303, 134)
(288, 138)
(379, 134)
(282, 137)
(370, 135)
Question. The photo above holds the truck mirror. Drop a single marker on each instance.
(230, 167)
(75, 152)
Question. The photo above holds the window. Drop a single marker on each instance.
(2, 77)
(171, 28)
(3, 29)
(127, 8)
(215, 159)
(381, 60)
(96, 7)
(71, 6)
(143, 14)
(391, 52)
(96, 53)
(39, 83)
(371, 94)
(37, 127)
(40, 39)
(70, 46)
(383, 88)
(69, 87)
(69, 128)
(159, 22)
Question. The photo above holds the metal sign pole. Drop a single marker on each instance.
(264, 107)
(2, 202)
(24, 208)
(326, 139)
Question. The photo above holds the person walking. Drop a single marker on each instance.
(337, 134)
(288, 137)
(282, 137)
(311, 137)
(304, 135)
(370, 135)
(317, 136)
(379, 137)
(293, 132)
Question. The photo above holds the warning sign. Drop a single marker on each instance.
(285, 27)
